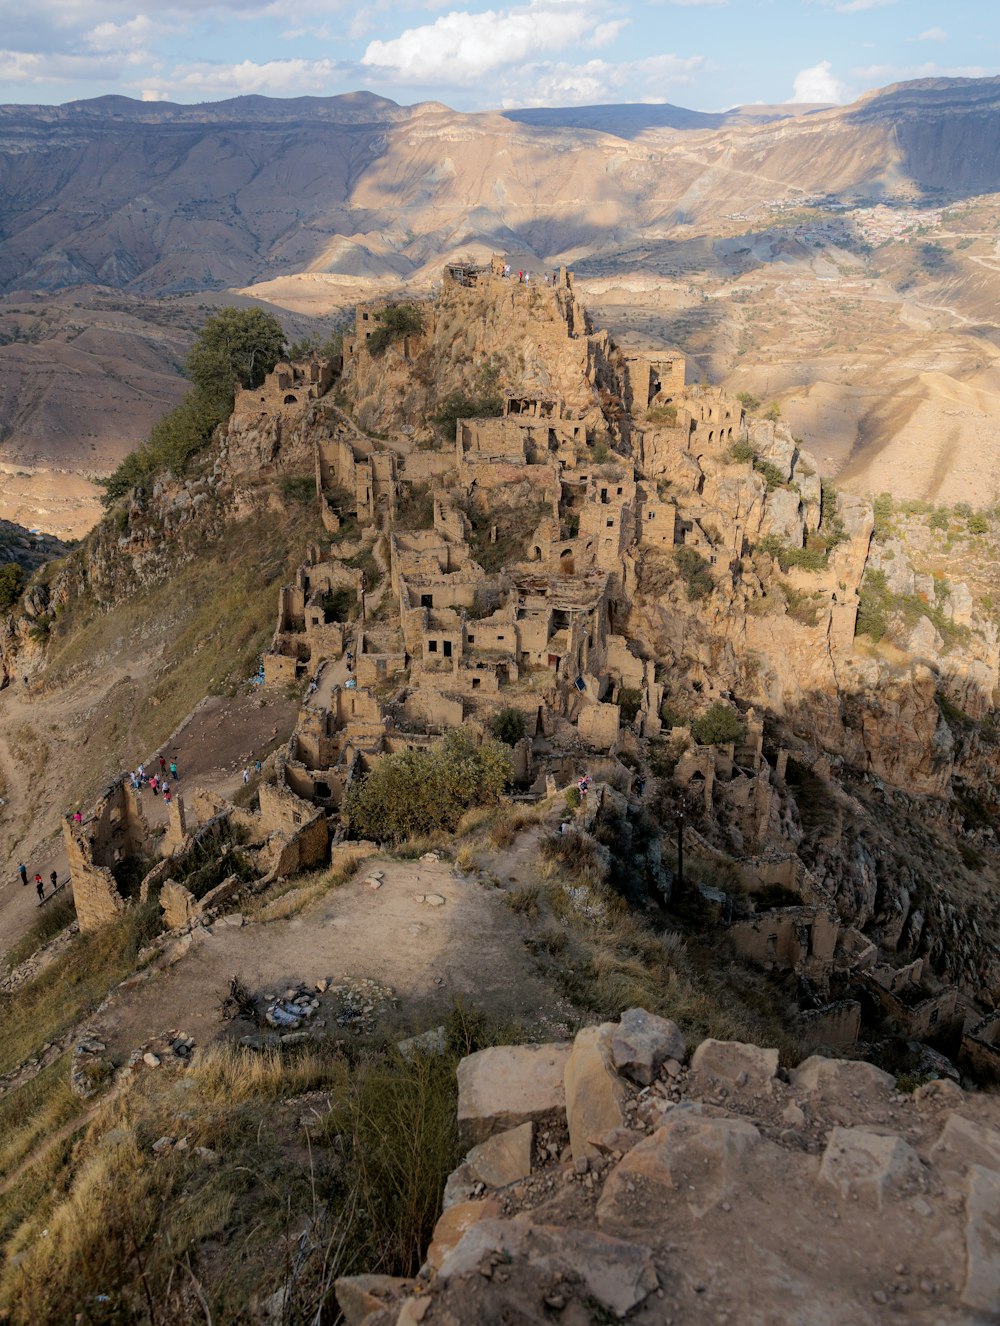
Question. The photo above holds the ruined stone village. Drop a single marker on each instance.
(403, 626)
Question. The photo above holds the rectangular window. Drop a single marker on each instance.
(447, 649)
(476, 683)
(472, 639)
(432, 646)
(611, 524)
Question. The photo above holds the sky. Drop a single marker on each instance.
(703, 54)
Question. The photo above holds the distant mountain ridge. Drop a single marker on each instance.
(158, 197)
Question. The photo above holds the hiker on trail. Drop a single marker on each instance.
(257, 766)
(40, 886)
(142, 774)
(163, 766)
(22, 870)
(246, 775)
(54, 879)
(135, 780)
(166, 793)
(173, 770)
(154, 783)
(77, 818)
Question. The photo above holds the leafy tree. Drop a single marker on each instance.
(508, 726)
(748, 400)
(235, 347)
(458, 405)
(395, 322)
(11, 584)
(694, 572)
(717, 726)
(418, 791)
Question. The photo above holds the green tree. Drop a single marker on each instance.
(235, 347)
(419, 791)
(508, 726)
(11, 584)
(395, 322)
(695, 573)
(717, 726)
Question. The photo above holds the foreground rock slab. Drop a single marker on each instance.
(504, 1086)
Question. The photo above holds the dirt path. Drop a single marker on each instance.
(468, 948)
(221, 737)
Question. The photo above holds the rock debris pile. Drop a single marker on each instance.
(617, 1176)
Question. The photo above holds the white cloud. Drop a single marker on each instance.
(878, 75)
(818, 84)
(153, 94)
(134, 35)
(932, 34)
(855, 6)
(275, 78)
(597, 81)
(460, 48)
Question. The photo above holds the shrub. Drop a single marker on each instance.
(717, 726)
(979, 523)
(769, 472)
(339, 605)
(418, 791)
(874, 606)
(694, 572)
(741, 452)
(395, 322)
(573, 798)
(749, 401)
(773, 412)
(298, 488)
(508, 726)
(629, 702)
(459, 405)
(883, 508)
(939, 519)
(11, 584)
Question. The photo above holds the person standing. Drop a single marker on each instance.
(22, 870)
(40, 886)
(173, 770)
(54, 881)
(163, 766)
(246, 776)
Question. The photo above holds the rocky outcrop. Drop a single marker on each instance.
(732, 1185)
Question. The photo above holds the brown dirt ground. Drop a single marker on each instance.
(472, 945)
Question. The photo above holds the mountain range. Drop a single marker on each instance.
(312, 203)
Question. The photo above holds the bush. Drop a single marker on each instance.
(459, 405)
(883, 508)
(11, 584)
(235, 347)
(508, 726)
(717, 726)
(874, 606)
(573, 798)
(629, 702)
(769, 472)
(741, 452)
(419, 791)
(695, 573)
(299, 488)
(940, 519)
(748, 400)
(979, 523)
(339, 605)
(395, 322)
(773, 412)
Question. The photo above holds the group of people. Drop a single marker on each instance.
(22, 870)
(157, 782)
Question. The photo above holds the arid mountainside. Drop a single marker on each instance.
(841, 260)
(457, 638)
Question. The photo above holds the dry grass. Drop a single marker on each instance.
(276, 1207)
(289, 896)
(73, 984)
(53, 919)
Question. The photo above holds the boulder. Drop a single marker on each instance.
(358, 1295)
(594, 1092)
(617, 1273)
(869, 1166)
(965, 1143)
(454, 1223)
(642, 1042)
(504, 1158)
(507, 1085)
(699, 1157)
(734, 1062)
(835, 1077)
(981, 1290)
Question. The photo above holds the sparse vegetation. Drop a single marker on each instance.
(420, 790)
(11, 584)
(717, 726)
(695, 573)
(394, 323)
(508, 726)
